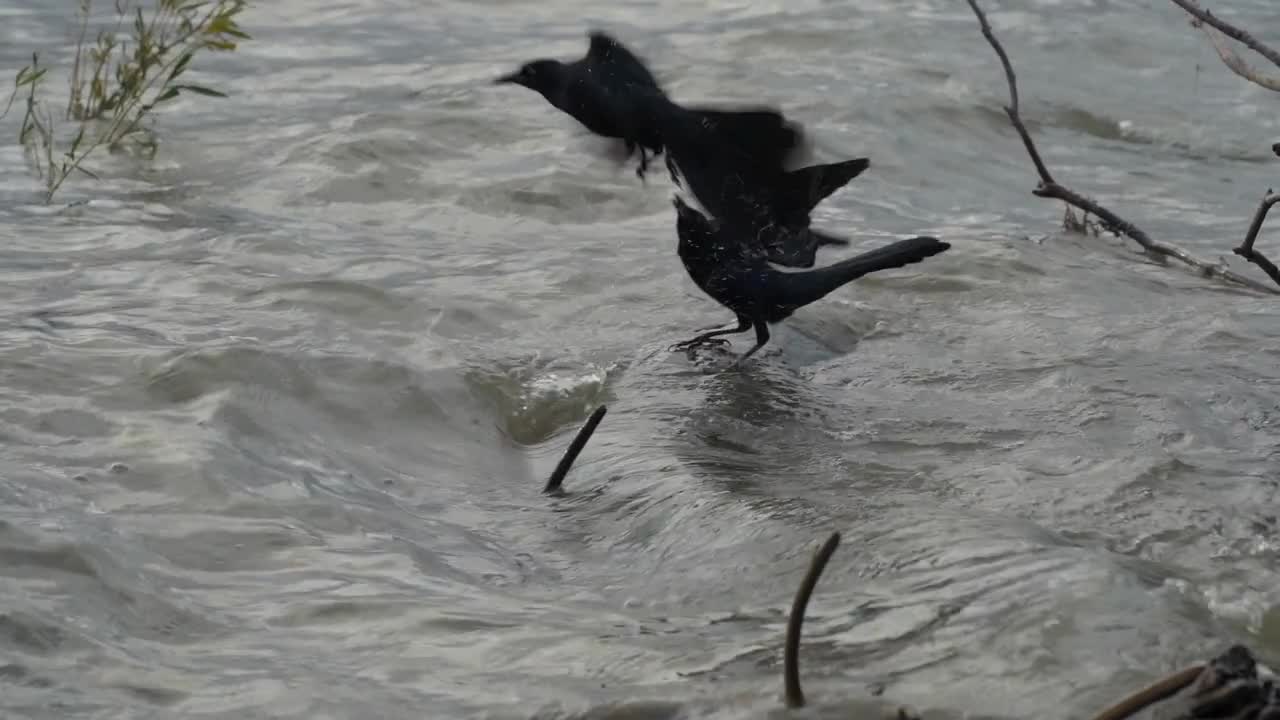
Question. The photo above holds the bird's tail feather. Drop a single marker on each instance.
(802, 288)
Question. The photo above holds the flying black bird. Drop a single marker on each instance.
(733, 160)
(613, 94)
(737, 275)
(593, 89)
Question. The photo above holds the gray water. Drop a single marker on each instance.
(277, 404)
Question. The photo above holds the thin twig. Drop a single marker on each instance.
(575, 447)
(1231, 31)
(1162, 689)
(1012, 108)
(1246, 250)
(791, 650)
(1049, 188)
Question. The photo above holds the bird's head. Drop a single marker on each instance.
(540, 75)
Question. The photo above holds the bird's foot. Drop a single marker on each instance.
(644, 165)
(698, 342)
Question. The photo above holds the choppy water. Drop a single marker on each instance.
(275, 407)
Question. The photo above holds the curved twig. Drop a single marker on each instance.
(1049, 188)
(1162, 689)
(791, 651)
(575, 447)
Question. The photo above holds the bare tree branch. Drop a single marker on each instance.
(791, 650)
(1246, 250)
(1204, 16)
(1012, 108)
(1049, 188)
(1162, 689)
(1215, 29)
(575, 447)
(1234, 62)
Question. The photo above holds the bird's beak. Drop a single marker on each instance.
(512, 78)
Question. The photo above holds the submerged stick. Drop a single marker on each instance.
(1049, 188)
(575, 447)
(1158, 691)
(791, 651)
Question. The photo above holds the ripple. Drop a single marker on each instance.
(278, 403)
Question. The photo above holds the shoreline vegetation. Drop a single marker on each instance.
(132, 65)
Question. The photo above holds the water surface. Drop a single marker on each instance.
(277, 405)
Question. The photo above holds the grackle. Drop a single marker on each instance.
(755, 188)
(778, 206)
(737, 274)
(613, 94)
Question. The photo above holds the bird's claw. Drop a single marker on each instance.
(697, 342)
(644, 164)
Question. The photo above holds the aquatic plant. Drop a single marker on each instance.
(132, 67)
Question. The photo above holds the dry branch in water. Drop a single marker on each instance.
(1246, 250)
(1234, 62)
(575, 447)
(1160, 690)
(1214, 27)
(1218, 30)
(1049, 188)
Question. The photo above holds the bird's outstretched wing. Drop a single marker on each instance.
(605, 54)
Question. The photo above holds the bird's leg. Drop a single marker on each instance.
(744, 324)
(644, 163)
(762, 337)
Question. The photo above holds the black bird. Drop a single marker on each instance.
(779, 207)
(750, 187)
(737, 275)
(613, 94)
(593, 91)
(733, 160)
